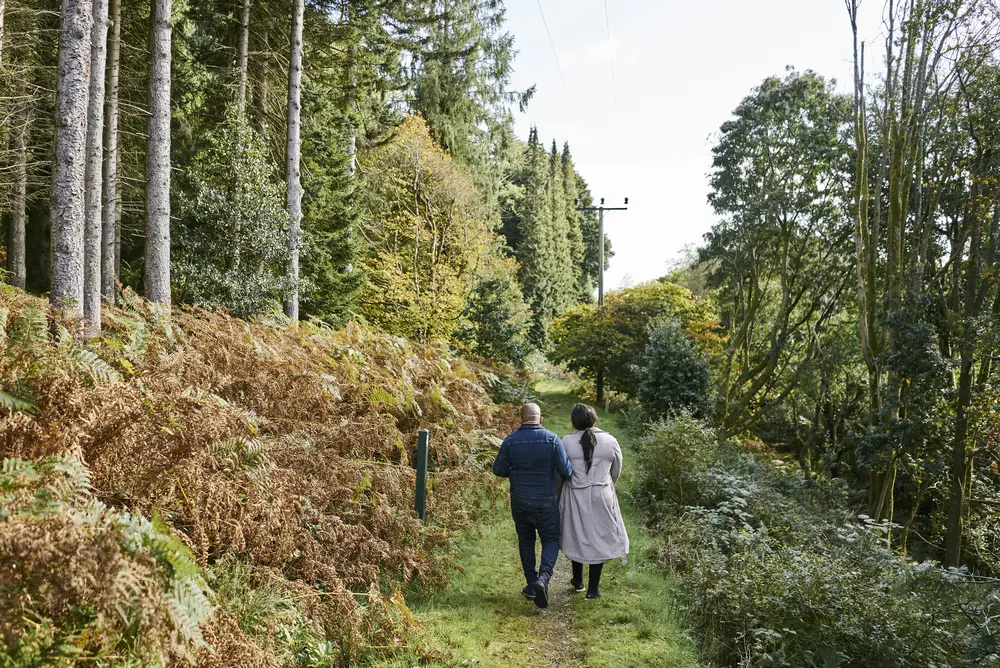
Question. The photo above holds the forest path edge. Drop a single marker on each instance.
(480, 619)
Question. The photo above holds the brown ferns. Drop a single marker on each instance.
(285, 449)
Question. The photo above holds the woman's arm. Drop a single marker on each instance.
(616, 465)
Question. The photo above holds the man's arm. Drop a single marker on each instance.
(501, 465)
(563, 466)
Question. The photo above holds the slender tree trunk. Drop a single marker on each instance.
(69, 168)
(95, 148)
(16, 274)
(959, 461)
(111, 213)
(157, 274)
(243, 57)
(292, 175)
(3, 12)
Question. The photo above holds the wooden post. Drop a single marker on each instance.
(423, 446)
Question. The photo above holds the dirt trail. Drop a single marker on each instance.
(556, 642)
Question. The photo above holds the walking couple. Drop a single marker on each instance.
(563, 490)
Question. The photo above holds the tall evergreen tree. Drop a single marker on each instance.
(461, 86)
(68, 213)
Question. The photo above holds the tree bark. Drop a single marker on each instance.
(69, 168)
(243, 58)
(292, 175)
(3, 11)
(111, 213)
(157, 254)
(95, 148)
(16, 271)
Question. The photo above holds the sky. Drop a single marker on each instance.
(680, 68)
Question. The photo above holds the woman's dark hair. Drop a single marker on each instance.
(584, 418)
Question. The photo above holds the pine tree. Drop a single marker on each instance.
(94, 169)
(584, 287)
(461, 86)
(68, 180)
(157, 251)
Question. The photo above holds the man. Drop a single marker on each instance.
(531, 457)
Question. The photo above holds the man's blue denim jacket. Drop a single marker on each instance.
(531, 457)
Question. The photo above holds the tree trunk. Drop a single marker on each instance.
(292, 174)
(957, 496)
(69, 168)
(16, 271)
(3, 11)
(95, 149)
(111, 212)
(157, 273)
(243, 58)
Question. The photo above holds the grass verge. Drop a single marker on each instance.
(480, 619)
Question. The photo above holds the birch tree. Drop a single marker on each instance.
(157, 253)
(69, 169)
(293, 177)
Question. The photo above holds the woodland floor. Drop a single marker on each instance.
(482, 620)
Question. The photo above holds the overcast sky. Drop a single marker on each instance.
(680, 69)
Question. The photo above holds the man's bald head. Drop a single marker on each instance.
(531, 414)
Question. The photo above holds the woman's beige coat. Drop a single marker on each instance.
(592, 528)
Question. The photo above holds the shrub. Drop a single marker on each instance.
(782, 574)
(232, 240)
(671, 375)
(672, 453)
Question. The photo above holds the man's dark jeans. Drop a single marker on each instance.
(542, 516)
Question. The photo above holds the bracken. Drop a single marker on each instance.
(284, 449)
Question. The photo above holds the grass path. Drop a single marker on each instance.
(482, 620)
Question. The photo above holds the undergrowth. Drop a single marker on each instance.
(279, 457)
(782, 573)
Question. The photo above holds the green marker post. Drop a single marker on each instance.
(423, 446)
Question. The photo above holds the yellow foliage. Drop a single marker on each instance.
(427, 240)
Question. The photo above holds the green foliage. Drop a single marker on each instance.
(80, 582)
(782, 574)
(426, 242)
(587, 339)
(672, 375)
(461, 85)
(231, 243)
(672, 454)
(331, 243)
(496, 321)
(780, 253)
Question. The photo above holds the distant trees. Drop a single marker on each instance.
(553, 243)
(614, 338)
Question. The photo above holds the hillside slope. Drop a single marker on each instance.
(279, 457)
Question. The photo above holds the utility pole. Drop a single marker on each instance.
(600, 270)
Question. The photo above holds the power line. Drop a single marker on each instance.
(553, 46)
(611, 54)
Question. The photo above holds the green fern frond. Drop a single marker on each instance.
(16, 404)
(30, 331)
(84, 360)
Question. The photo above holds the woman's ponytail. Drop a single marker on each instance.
(584, 418)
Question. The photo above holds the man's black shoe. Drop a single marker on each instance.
(528, 592)
(542, 591)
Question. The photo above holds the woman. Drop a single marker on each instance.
(592, 528)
